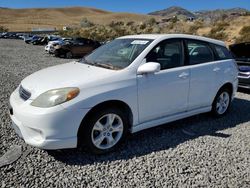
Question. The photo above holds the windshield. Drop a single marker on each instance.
(117, 54)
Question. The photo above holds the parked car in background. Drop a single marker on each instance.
(49, 48)
(129, 84)
(8, 35)
(78, 47)
(40, 41)
(242, 56)
(26, 36)
(28, 39)
(53, 37)
(2, 34)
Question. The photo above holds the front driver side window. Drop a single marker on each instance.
(167, 53)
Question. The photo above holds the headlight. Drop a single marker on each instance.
(54, 97)
(57, 46)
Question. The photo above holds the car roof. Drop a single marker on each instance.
(169, 36)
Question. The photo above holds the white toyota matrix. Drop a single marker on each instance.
(130, 84)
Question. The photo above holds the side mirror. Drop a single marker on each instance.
(150, 67)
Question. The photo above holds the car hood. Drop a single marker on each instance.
(66, 75)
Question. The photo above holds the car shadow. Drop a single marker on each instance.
(163, 137)
(243, 90)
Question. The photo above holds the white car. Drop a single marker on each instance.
(49, 48)
(129, 84)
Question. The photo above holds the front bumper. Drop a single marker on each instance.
(45, 128)
(244, 82)
(49, 49)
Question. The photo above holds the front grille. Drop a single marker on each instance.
(23, 93)
(244, 75)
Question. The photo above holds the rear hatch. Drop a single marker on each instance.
(241, 52)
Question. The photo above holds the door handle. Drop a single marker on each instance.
(216, 69)
(183, 75)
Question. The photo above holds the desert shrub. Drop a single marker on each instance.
(86, 23)
(218, 31)
(174, 19)
(221, 35)
(3, 29)
(244, 34)
(143, 26)
(156, 29)
(116, 24)
(220, 26)
(151, 22)
(130, 23)
(194, 28)
(246, 13)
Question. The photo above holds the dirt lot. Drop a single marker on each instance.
(197, 151)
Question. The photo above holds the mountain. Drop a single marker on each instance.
(173, 11)
(220, 13)
(26, 19)
(204, 14)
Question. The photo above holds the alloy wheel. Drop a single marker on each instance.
(222, 103)
(107, 131)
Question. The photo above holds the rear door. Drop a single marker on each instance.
(226, 69)
(203, 77)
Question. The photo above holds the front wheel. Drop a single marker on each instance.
(105, 130)
(221, 103)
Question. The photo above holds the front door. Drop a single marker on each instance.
(166, 92)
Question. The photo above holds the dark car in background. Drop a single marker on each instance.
(241, 54)
(29, 39)
(40, 41)
(78, 47)
(9, 36)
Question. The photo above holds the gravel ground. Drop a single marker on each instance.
(194, 152)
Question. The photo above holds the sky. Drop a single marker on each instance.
(134, 6)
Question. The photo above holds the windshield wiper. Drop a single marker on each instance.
(107, 65)
(97, 64)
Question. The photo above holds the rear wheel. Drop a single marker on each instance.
(221, 102)
(104, 130)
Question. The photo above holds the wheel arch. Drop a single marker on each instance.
(107, 104)
(227, 85)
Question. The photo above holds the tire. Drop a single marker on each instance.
(57, 53)
(101, 137)
(68, 55)
(222, 102)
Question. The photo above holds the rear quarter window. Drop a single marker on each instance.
(222, 52)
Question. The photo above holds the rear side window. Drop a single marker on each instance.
(199, 52)
(222, 52)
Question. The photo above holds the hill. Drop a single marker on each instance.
(173, 11)
(26, 19)
(208, 15)
(220, 13)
